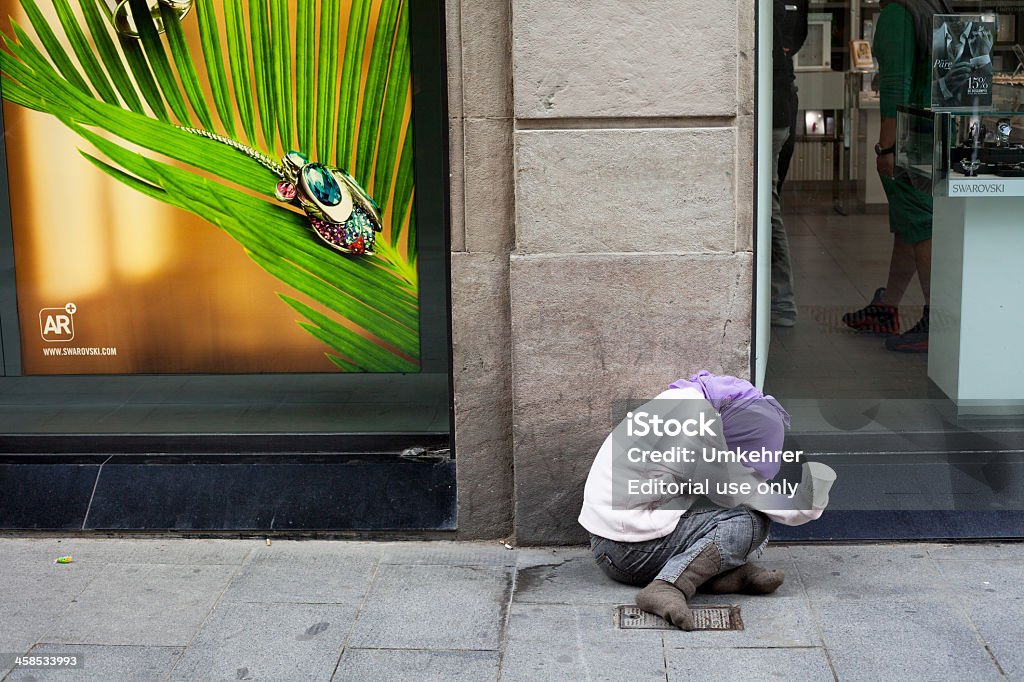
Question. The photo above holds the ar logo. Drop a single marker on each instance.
(57, 325)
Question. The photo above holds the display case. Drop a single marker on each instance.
(922, 148)
(973, 165)
(977, 153)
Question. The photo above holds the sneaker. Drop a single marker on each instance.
(875, 318)
(914, 340)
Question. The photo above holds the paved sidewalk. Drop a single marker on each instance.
(241, 610)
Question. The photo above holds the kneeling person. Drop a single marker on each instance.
(675, 523)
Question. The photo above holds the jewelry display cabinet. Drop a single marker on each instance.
(972, 163)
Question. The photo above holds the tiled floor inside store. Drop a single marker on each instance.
(838, 263)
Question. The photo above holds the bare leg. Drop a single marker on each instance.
(915, 339)
(902, 266)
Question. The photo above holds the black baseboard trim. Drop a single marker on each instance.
(213, 493)
(867, 526)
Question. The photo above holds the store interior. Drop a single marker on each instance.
(836, 218)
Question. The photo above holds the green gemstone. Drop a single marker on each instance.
(322, 184)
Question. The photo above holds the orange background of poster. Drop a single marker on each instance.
(171, 292)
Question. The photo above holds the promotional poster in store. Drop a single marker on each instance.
(211, 186)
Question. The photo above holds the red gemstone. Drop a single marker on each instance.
(358, 246)
(285, 191)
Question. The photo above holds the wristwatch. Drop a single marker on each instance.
(882, 151)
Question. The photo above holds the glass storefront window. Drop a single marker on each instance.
(224, 220)
(894, 301)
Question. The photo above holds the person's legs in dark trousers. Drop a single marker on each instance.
(786, 154)
(706, 548)
(783, 312)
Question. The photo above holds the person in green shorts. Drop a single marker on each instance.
(902, 46)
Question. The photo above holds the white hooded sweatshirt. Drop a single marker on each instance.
(610, 511)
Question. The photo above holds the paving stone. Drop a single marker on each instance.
(184, 552)
(991, 596)
(867, 572)
(778, 554)
(448, 554)
(740, 665)
(286, 549)
(268, 642)
(328, 573)
(981, 582)
(780, 620)
(392, 665)
(107, 663)
(33, 595)
(1008, 551)
(433, 607)
(1007, 651)
(572, 642)
(434, 610)
(535, 556)
(567, 577)
(139, 551)
(154, 605)
(910, 639)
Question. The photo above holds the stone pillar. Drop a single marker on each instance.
(632, 264)
(480, 146)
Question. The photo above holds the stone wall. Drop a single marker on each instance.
(602, 199)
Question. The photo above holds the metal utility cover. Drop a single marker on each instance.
(629, 617)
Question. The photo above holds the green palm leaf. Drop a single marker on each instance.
(86, 58)
(213, 57)
(186, 69)
(327, 77)
(391, 125)
(109, 55)
(373, 93)
(259, 32)
(157, 57)
(52, 45)
(365, 310)
(238, 58)
(282, 70)
(139, 67)
(351, 73)
(305, 68)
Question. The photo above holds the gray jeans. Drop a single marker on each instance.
(736, 532)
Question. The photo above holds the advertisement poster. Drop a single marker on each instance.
(211, 186)
(962, 62)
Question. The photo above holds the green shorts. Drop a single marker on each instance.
(910, 211)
